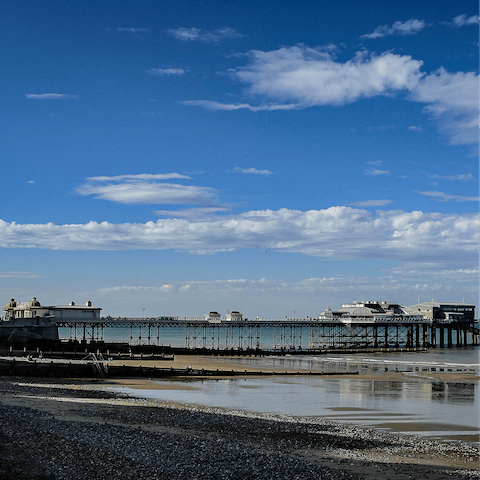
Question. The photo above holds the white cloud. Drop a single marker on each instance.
(445, 240)
(212, 105)
(377, 172)
(305, 76)
(371, 203)
(190, 212)
(443, 197)
(298, 77)
(275, 298)
(140, 176)
(166, 71)
(196, 34)
(132, 30)
(252, 171)
(464, 177)
(462, 20)
(14, 275)
(49, 96)
(415, 128)
(410, 27)
(150, 193)
(453, 99)
(145, 188)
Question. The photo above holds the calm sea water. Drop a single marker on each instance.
(412, 403)
(177, 336)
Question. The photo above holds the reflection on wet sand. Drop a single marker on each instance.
(443, 403)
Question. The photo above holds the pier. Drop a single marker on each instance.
(288, 335)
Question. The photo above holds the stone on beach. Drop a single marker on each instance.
(69, 432)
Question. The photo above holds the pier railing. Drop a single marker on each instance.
(279, 334)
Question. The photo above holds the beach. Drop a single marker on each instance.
(60, 429)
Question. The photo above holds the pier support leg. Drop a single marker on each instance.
(449, 336)
(409, 336)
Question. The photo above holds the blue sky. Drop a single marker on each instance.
(256, 156)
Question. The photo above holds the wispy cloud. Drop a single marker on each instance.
(49, 96)
(415, 128)
(376, 172)
(298, 77)
(132, 30)
(442, 240)
(139, 176)
(270, 298)
(463, 20)
(18, 275)
(252, 171)
(195, 34)
(166, 71)
(464, 177)
(410, 27)
(443, 197)
(371, 203)
(146, 189)
(305, 77)
(452, 99)
(190, 212)
(212, 105)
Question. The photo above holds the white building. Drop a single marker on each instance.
(213, 317)
(234, 316)
(33, 308)
(372, 311)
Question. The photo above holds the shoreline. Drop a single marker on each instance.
(237, 364)
(59, 421)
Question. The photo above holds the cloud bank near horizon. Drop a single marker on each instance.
(342, 233)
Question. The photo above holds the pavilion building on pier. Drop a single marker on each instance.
(34, 309)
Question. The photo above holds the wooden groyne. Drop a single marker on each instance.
(118, 351)
(93, 366)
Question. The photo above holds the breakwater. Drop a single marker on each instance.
(97, 366)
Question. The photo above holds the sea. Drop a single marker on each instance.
(413, 402)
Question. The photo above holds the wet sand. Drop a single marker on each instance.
(78, 429)
(74, 432)
(438, 430)
(206, 362)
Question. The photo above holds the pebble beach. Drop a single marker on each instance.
(61, 430)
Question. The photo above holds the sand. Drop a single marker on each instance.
(212, 362)
(68, 416)
(287, 446)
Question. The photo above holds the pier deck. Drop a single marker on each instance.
(284, 334)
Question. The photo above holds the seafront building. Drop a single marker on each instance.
(447, 312)
(33, 309)
(380, 311)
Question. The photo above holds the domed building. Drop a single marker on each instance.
(34, 309)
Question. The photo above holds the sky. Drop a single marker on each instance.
(269, 157)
